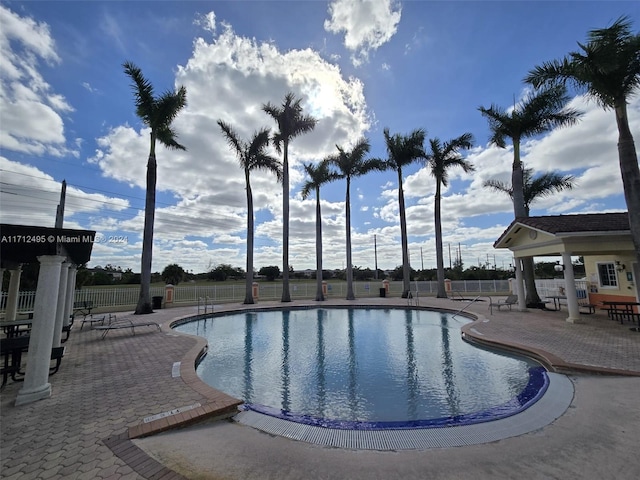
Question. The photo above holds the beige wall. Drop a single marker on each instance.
(625, 286)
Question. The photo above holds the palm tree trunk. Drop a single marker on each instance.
(406, 267)
(286, 295)
(442, 292)
(517, 182)
(350, 294)
(319, 294)
(248, 295)
(144, 300)
(520, 211)
(630, 181)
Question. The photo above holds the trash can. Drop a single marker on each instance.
(383, 292)
(156, 302)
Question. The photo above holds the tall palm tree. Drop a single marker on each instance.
(252, 156)
(291, 123)
(608, 70)
(318, 175)
(351, 163)
(440, 160)
(541, 186)
(157, 113)
(402, 151)
(537, 113)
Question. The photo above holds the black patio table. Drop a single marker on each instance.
(556, 301)
(621, 310)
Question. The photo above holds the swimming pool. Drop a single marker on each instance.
(363, 368)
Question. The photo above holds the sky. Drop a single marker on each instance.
(67, 112)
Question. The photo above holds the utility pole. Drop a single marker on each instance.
(450, 257)
(421, 259)
(375, 252)
(60, 209)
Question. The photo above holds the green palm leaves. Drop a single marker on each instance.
(607, 67)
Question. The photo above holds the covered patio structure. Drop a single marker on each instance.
(587, 235)
(58, 251)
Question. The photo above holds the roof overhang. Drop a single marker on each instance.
(25, 243)
(527, 241)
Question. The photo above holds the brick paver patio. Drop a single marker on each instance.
(106, 388)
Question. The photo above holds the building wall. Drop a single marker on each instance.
(625, 289)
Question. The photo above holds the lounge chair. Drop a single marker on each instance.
(115, 324)
(507, 302)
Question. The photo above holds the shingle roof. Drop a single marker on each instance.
(581, 223)
(590, 222)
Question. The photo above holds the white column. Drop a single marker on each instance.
(13, 294)
(522, 300)
(570, 290)
(36, 380)
(71, 293)
(60, 308)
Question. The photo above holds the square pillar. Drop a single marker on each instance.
(36, 380)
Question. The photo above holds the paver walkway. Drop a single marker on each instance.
(106, 388)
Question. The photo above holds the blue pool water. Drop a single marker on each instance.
(362, 367)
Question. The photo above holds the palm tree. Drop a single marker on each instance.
(291, 123)
(534, 188)
(440, 160)
(157, 113)
(402, 151)
(351, 163)
(252, 156)
(318, 175)
(608, 70)
(537, 113)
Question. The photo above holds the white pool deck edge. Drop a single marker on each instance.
(553, 403)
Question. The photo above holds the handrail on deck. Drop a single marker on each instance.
(466, 306)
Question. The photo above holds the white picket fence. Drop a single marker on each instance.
(228, 293)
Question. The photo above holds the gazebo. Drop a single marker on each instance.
(58, 251)
(603, 239)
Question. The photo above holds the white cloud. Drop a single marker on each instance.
(30, 111)
(230, 78)
(367, 24)
(28, 188)
(207, 22)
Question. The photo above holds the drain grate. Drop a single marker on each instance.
(549, 407)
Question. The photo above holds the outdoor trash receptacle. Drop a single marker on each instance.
(157, 302)
(383, 292)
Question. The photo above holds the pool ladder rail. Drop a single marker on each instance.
(204, 304)
(413, 299)
(469, 304)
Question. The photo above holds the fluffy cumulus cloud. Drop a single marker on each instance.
(587, 150)
(26, 188)
(367, 24)
(32, 114)
(231, 77)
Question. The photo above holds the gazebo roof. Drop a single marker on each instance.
(578, 234)
(24, 243)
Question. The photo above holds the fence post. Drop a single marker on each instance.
(168, 295)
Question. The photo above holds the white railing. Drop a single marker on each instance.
(268, 291)
(225, 293)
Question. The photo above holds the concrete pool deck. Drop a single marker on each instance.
(105, 389)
